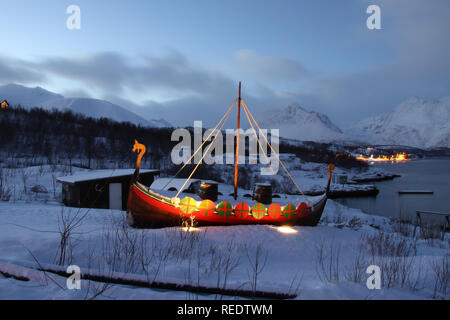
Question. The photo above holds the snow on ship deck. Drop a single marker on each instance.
(162, 185)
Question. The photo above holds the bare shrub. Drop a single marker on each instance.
(356, 272)
(140, 251)
(182, 242)
(257, 263)
(441, 273)
(327, 261)
(294, 286)
(96, 289)
(431, 231)
(24, 176)
(403, 225)
(354, 223)
(396, 258)
(67, 224)
(388, 245)
(5, 190)
(231, 260)
(120, 247)
(209, 260)
(338, 218)
(54, 184)
(160, 254)
(149, 254)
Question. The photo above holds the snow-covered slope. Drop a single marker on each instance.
(296, 260)
(415, 122)
(38, 97)
(26, 97)
(295, 122)
(95, 108)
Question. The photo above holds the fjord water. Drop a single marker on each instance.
(425, 174)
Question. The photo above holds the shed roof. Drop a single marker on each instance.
(102, 175)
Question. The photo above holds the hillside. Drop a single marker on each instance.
(415, 122)
(297, 123)
(95, 108)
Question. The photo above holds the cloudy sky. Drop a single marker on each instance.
(182, 59)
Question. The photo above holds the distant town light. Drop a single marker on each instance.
(398, 157)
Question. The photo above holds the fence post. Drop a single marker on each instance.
(419, 222)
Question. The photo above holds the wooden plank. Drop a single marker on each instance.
(415, 191)
(434, 213)
(142, 281)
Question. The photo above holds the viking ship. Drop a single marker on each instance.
(163, 208)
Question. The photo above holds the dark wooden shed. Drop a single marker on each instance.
(103, 189)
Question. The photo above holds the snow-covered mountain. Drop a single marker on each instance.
(38, 97)
(415, 122)
(297, 123)
(94, 108)
(26, 97)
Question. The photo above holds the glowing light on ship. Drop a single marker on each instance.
(190, 229)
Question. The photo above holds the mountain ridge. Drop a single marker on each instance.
(295, 122)
(415, 122)
(38, 97)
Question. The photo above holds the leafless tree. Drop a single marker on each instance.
(257, 264)
(67, 224)
(441, 271)
(328, 261)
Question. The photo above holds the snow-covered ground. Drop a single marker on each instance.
(324, 262)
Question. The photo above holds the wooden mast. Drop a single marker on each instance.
(236, 158)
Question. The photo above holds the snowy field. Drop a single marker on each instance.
(324, 262)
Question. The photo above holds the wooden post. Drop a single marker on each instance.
(236, 158)
(418, 223)
(331, 167)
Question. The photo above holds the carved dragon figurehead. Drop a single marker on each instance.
(140, 149)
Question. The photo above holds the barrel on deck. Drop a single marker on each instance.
(262, 193)
(208, 190)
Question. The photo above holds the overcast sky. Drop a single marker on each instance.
(181, 60)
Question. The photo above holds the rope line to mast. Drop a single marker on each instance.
(206, 152)
(259, 142)
(206, 140)
(275, 153)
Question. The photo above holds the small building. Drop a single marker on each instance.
(102, 189)
(4, 104)
(340, 178)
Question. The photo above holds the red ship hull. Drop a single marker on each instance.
(150, 209)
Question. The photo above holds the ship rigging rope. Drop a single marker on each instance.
(200, 147)
(207, 150)
(259, 142)
(252, 122)
(274, 152)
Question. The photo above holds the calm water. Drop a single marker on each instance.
(427, 174)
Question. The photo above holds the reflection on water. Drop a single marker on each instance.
(427, 174)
